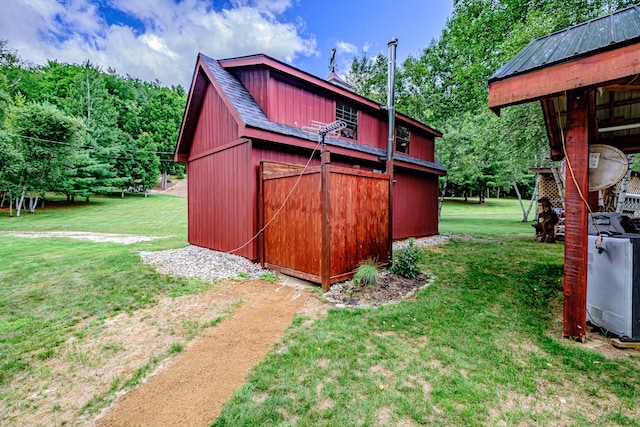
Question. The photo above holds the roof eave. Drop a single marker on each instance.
(178, 154)
(345, 148)
(261, 59)
(200, 82)
(553, 80)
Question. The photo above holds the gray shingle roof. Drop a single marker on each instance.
(616, 29)
(252, 115)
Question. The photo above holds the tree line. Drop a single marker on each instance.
(445, 85)
(76, 130)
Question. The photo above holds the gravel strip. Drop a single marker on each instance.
(194, 261)
(423, 241)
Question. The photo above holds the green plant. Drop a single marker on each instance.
(176, 347)
(368, 273)
(268, 277)
(407, 261)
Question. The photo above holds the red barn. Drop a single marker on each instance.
(246, 110)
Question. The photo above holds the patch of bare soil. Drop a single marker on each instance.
(390, 289)
(193, 388)
(174, 188)
(595, 340)
(187, 389)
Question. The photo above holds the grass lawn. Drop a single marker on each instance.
(53, 288)
(156, 215)
(481, 346)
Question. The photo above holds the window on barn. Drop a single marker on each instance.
(349, 115)
(402, 139)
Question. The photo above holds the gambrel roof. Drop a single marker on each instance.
(249, 115)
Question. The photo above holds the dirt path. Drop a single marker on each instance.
(175, 188)
(193, 388)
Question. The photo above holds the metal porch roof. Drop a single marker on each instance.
(616, 29)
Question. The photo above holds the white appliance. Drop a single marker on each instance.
(613, 285)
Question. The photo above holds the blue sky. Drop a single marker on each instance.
(159, 39)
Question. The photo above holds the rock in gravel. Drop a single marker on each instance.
(205, 264)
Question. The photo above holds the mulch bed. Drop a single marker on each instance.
(390, 289)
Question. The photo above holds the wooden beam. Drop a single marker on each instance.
(551, 124)
(622, 88)
(325, 259)
(628, 144)
(577, 187)
(592, 119)
(590, 71)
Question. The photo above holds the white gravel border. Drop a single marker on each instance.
(125, 239)
(423, 241)
(205, 264)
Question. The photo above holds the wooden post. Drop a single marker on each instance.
(575, 247)
(325, 259)
(261, 213)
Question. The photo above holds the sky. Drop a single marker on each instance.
(160, 39)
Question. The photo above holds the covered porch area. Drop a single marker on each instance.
(587, 79)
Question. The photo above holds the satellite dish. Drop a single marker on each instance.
(607, 166)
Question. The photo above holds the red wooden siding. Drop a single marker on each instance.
(421, 147)
(415, 204)
(216, 126)
(255, 80)
(371, 130)
(357, 225)
(301, 157)
(294, 106)
(221, 214)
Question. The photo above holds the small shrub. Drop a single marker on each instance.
(406, 262)
(368, 273)
(176, 347)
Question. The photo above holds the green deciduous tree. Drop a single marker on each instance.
(11, 163)
(161, 119)
(126, 126)
(445, 85)
(46, 139)
(368, 76)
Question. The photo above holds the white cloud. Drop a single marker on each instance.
(267, 6)
(166, 46)
(343, 47)
(158, 45)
